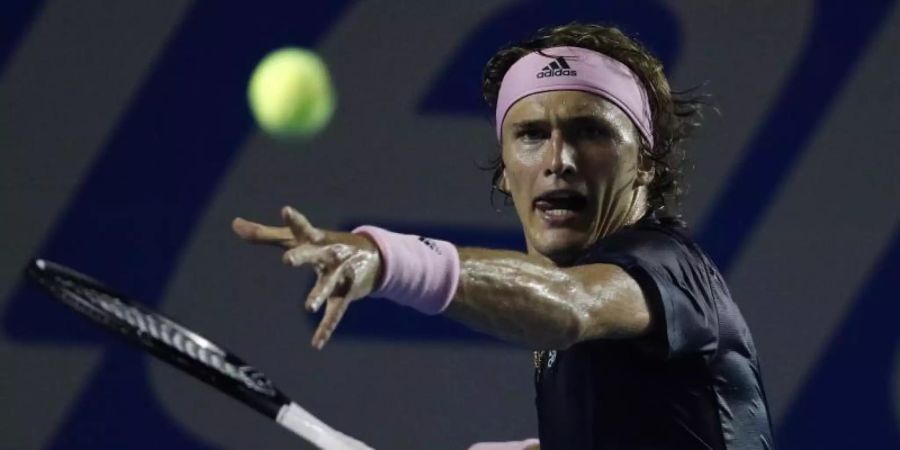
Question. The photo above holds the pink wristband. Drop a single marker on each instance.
(418, 272)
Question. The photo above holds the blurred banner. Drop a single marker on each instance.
(128, 147)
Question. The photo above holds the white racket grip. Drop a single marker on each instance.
(293, 417)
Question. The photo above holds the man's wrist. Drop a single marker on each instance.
(415, 271)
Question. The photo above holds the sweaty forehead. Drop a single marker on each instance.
(561, 105)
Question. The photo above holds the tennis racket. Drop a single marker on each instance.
(179, 346)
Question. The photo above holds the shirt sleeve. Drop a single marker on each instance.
(677, 285)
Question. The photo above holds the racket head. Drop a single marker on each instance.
(158, 334)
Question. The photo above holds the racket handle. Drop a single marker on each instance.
(293, 417)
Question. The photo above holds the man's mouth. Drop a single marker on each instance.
(560, 206)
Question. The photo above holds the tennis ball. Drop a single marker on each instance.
(290, 93)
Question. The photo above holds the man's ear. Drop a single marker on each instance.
(503, 183)
(646, 171)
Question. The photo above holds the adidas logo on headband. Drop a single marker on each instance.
(558, 68)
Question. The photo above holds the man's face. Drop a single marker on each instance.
(572, 167)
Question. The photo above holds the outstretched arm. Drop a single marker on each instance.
(526, 299)
(507, 294)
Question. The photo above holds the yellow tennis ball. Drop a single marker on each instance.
(290, 93)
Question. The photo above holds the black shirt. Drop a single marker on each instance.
(693, 382)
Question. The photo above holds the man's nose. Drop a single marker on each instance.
(562, 154)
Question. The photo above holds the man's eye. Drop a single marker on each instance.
(531, 134)
(592, 132)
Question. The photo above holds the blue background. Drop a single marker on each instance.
(179, 136)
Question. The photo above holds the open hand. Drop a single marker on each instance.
(347, 265)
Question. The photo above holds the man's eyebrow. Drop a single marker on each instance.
(579, 120)
(529, 123)
(592, 118)
(596, 120)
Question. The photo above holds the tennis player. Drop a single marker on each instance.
(639, 344)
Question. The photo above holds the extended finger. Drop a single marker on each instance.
(324, 288)
(334, 311)
(308, 254)
(300, 226)
(262, 234)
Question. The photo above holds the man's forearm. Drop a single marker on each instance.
(510, 295)
(520, 298)
(526, 299)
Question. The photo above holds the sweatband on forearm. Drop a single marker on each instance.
(418, 272)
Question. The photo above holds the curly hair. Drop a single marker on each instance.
(675, 114)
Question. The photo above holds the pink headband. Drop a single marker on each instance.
(576, 69)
